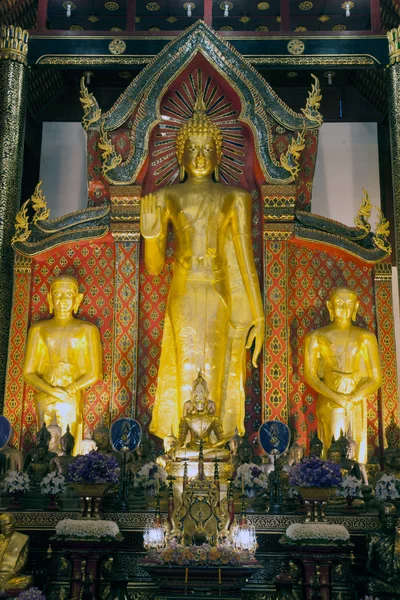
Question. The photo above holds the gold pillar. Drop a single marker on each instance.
(394, 123)
(13, 86)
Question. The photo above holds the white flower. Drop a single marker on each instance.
(87, 529)
(143, 478)
(53, 484)
(317, 531)
(16, 481)
(245, 477)
(387, 488)
(350, 487)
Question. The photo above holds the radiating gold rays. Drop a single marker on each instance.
(177, 108)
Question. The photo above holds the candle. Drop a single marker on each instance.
(157, 484)
(186, 574)
(219, 576)
(242, 485)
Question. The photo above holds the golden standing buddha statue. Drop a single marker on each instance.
(63, 357)
(14, 549)
(341, 362)
(214, 306)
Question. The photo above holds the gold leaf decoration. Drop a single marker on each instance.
(361, 221)
(91, 110)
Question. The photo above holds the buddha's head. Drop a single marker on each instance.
(199, 395)
(145, 448)
(245, 450)
(41, 451)
(342, 305)
(101, 436)
(64, 297)
(7, 524)
(67, 442)
(296, 453)
(316, 446)
(235, 442)
(199, 144)
(387, 516)
(170, 442)
(334, 454)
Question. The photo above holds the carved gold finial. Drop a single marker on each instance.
(41, 213)
(311, 111)
(382, 232)
(290, 159)
(393, 37)
(200, 123)
(110, 157)
(39, 205)
(13, 43)
(364, 212)
(91, 110)
(22, 231)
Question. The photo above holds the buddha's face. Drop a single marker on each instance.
(7, 525)
(41, 453)
(66, 446)
(316, 450)
(245, 453)
(64, 298)
(199, 156)
(343, 306)
(334, 457)
(102, 441)
(296, 454)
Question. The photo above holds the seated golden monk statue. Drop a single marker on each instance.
(214, 310)
(384, 555)
(341, 362)
(200, 421)
(14, 549)
(63, 357)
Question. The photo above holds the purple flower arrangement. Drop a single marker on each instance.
(32, 594)
(94, 468)
(314, 472)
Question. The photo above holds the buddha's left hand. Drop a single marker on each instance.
(256, 334)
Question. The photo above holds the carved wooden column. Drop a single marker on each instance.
(394, 123)
(279, 201)
(13, 90)
(125, 228)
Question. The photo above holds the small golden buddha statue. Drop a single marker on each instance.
(383, 561)
(214, 309)
(61, 463)
(171, 445)
(199, 421)
(63, 357)
(341, 362)
(14, 549)
(55, 435)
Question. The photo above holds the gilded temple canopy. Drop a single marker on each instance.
(139, 106)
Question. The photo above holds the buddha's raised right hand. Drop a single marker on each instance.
(150, 217)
